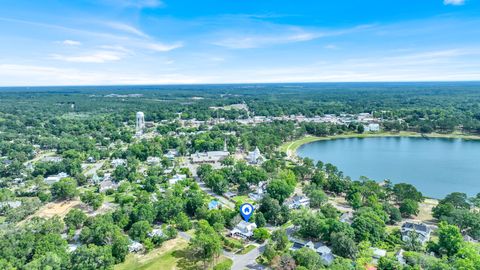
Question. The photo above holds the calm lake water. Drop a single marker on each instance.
(435, 166)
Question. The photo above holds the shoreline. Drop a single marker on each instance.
(290, 148)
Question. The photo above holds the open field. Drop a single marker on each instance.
(290, 148)
(159, 258)
(55, 209)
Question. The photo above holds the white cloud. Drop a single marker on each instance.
(127, 28)
(69, 42)
(136, 3)
(262, 40)
(261, 34)
(95, 57)
(331, 47)
(161, 47)
(454, 2)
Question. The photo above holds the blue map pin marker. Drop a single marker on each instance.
(246, 210)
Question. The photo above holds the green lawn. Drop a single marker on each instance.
(246, 249)
(164, 257)
(243, 199)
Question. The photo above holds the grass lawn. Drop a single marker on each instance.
(246, 249)
(224, 262)
(165, 257)
(243, 199)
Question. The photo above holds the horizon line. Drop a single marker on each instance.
(232, 83)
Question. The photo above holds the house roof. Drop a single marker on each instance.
(419, 227)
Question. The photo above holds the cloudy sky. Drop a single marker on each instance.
(105, 42)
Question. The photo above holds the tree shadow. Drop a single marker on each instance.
(186, 262)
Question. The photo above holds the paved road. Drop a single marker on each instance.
(94, 168)
(247, 261)
(207, 190)
(240, 262)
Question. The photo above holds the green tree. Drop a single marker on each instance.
(450, 239)
(206, 245)
(389, 263)
(75, 219)
(260, 220)
(64, 189)
(92, 257)
(94, 200)
(261, 234)
(182, 222)
(409, 208)
(280, 190)
(404, 191)
(368, 226)
(280, 239)
(344, 245)
(308, 258)
(317, 198)
(139, 230)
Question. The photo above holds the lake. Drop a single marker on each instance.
(436, 166)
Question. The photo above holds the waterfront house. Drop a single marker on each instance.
(421, 229)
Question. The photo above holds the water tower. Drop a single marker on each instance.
(140, 124)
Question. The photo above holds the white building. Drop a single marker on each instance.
(255, 157)
(298, 201)
(106, 185)
(117, 162)
(324, 251)
(209, 157)
(52, 159)
(11, 204)
(171, 154)
(153, 160)
(156, 232)
(140, 123)
(259, 192)
(135, 247)
(373, 127)
(177, 177)
(243, 230)
(55, 178)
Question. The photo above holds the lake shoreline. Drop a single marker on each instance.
(291, 147)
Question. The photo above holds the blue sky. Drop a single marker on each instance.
(104, 42)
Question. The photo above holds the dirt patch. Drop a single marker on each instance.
(425, 214)
(56, 209)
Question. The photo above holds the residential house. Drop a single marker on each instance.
(171, 154)
(324, 251)
(177, 177)
(117, 162)
(259, 192)
(372, 127)
(243, 230)
(153, 160)
(378, 253)
(298, 201)
(107, 185)
(135, 247)
(255, 157)
(347, 217)
(421, 229)
(52, 159)
(55, 178)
